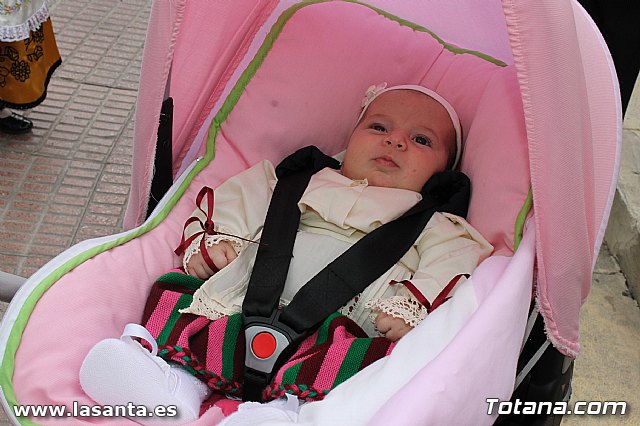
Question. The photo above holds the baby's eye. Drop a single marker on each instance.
(422, 140)
(378, 127)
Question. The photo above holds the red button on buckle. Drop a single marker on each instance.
(263, 345)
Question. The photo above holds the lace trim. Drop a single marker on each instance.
(348, 309)
(207, 307)
(23, 30)
(210, 241)
(410, 310)
(212, 309)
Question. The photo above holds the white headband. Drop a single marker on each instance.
(376, 90)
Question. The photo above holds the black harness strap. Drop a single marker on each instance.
(274, 254)
(341, 280)
(355, 269)
(279, 233)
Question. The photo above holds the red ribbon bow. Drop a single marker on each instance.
(440, 298)
(208, 228)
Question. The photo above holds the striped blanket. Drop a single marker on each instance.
(214, 350)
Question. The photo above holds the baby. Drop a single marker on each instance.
(404, 136)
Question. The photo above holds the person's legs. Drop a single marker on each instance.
(122, 372)
(14, 123)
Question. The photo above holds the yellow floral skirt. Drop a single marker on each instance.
(26, 67)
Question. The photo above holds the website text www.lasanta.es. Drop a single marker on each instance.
(80, 410)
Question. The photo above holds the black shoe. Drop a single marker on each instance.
(15, 124)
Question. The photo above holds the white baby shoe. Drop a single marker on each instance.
(121, 372)
(277, 412)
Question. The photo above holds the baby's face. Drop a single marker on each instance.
(403, 139)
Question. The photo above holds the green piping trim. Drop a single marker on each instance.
(13, 341)
(521, 218)
(450, 47)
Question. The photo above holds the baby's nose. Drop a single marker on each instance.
(396, 140)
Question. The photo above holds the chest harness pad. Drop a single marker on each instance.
(273, 334)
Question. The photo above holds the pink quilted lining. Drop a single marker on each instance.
(299, 96)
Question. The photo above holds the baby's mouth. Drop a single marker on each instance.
(385, 161)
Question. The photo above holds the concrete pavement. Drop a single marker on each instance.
(69, 180)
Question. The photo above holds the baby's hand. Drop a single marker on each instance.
(392, 328)
(221, 254)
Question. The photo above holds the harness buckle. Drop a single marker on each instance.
(269, 343)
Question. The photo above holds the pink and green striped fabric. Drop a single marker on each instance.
(214, 350)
